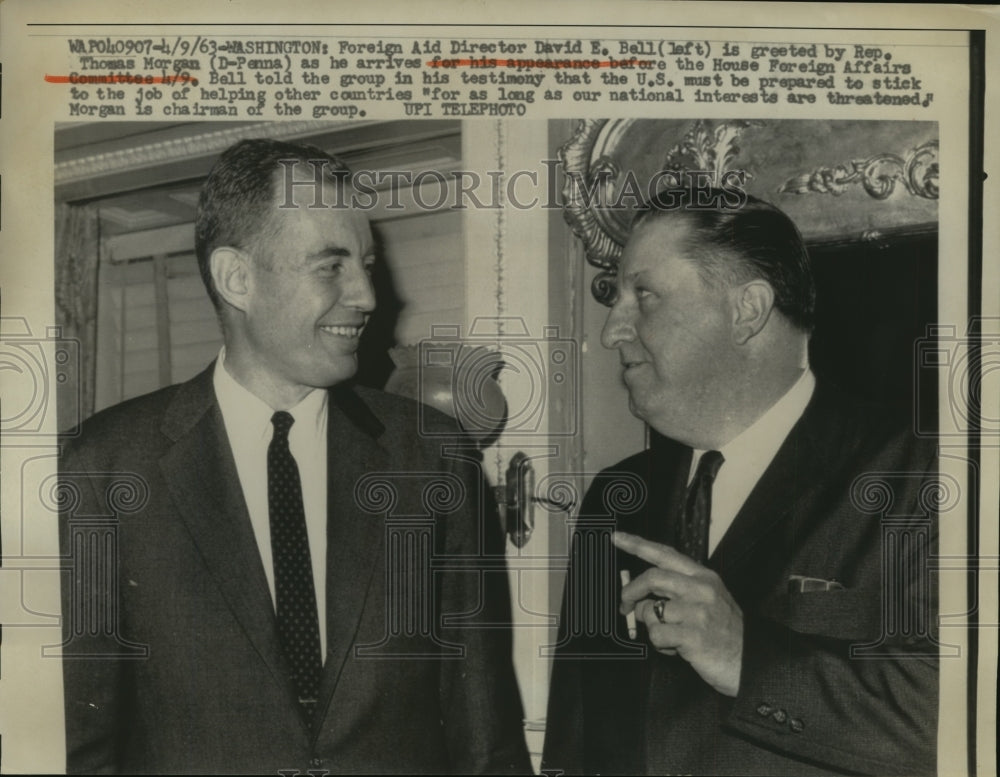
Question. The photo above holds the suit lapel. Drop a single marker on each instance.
(200, 471)
(748, 558)
(802, 462)
(671, 464)
(201, 474)
(354, 537)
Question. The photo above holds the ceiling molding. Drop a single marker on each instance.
(178, 149)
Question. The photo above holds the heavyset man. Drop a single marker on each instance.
(772, 621)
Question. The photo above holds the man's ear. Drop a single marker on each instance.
(752, 306)
(230, 269)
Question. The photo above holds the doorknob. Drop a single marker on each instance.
(516, 500)
(517, 511)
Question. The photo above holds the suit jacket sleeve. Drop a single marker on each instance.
(479, 692)
(564, 727)
(92, 645)
(593, 720)
(848, 678)
(565, 716)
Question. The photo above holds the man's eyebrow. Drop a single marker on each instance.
(329, 251)
(339, 252)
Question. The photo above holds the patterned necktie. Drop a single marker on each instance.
(698, 508)
(298, 626)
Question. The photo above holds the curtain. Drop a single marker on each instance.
(77, 255)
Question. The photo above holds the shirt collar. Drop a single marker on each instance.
(760, 441)
(254, 414)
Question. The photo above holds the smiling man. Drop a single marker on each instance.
(749, 620)
(253, 613)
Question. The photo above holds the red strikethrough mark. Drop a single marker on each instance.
(121, 78)
(573, 64)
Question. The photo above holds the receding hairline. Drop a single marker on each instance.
(302, 198)
(703, 256)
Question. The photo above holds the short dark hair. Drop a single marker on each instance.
(237, 199)
(757, 240)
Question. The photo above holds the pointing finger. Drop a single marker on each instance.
(662, 556)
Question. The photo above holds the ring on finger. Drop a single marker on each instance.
(658, 609)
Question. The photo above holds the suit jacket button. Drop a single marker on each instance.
(779, 716)
(796, 725)
(764, 709)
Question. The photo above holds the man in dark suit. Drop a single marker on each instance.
(272, 570)
(751, 594)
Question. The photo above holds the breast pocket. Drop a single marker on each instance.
(840, 613)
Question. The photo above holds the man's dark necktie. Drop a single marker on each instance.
(693, 539)
(298, 626)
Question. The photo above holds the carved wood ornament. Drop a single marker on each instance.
(610, 166)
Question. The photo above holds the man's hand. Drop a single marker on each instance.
(701, 621)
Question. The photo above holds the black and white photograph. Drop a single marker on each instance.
(563, 399)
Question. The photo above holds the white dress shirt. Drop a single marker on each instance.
(248, 426)
(749, 454)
